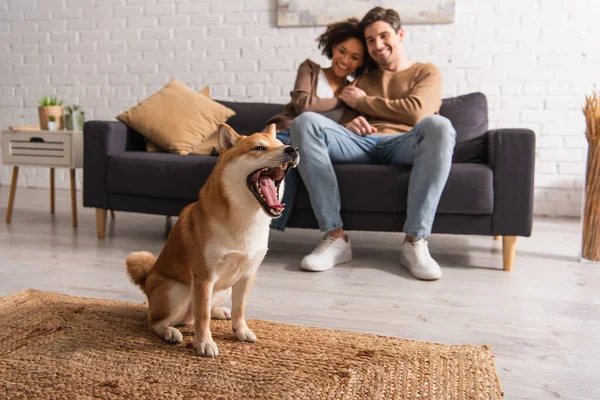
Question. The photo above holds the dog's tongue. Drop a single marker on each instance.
(270, 192)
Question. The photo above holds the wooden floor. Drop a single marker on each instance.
(542, 320)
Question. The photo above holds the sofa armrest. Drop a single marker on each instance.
(101, 139)
(511, 154)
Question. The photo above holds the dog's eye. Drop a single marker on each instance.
(260, 148)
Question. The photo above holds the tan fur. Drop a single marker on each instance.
(139, 265)
(215, 247)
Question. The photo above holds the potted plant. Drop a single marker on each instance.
(50, 106)
(52, 124)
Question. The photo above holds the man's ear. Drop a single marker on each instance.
(270, 130)
(227, 137)
(400, 34)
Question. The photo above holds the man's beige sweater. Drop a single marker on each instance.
(396, 101)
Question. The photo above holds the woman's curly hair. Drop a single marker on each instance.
(339, 32)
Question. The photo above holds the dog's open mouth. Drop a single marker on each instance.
(265, 183)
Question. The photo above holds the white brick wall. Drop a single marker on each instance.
(534, 59)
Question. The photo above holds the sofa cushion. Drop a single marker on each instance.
(382, 188)
(163, 175)
(176, 118)
(469, 116)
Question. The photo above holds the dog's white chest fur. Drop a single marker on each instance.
(234, 253)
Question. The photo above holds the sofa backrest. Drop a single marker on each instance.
(469, 116)
(250, 117)
(135, 141)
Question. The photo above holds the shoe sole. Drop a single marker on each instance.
(343, 261)
(404, 263)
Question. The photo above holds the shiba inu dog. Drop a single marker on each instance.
(218, 242)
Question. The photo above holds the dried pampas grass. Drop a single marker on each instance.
(591, 206)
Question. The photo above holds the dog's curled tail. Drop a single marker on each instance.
(139, 264)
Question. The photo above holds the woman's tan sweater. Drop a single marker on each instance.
(304, 97)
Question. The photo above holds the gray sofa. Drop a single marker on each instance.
(489, 191)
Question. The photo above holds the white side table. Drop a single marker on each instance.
(53, 149)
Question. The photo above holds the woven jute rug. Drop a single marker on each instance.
(54, 346)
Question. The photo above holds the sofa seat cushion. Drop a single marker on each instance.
(384, 188)
(163, 175)
(379, 188)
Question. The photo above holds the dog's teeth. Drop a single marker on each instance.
(260, 193)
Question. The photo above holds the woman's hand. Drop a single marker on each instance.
(360, 126)
(350, 95)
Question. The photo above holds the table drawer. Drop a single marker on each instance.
(22, 148)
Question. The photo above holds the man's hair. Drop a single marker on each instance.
(381, 14)
(339, 32)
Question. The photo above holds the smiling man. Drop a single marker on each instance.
(395, 122)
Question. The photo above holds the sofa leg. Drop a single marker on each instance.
(509, 247)
(100, 222)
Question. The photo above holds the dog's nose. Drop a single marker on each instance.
(291, 150)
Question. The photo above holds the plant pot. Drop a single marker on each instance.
(56, 111)
(69, 122)
(52, 126)
(80, 121)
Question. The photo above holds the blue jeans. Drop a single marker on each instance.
(292, 180)
(428, 147)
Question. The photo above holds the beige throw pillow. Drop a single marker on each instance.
(176, 118)
(152, 147)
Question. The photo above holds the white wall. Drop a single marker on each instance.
(534, 59)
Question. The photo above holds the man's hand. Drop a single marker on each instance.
(350, 95)
(360, 126)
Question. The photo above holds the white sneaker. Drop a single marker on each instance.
(416, 257)
(328, 253)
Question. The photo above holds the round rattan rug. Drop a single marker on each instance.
(57, 346)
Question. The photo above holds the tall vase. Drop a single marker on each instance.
(80, 121)
(69, 122)
(590, 215)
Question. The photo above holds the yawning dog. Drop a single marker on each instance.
(218, 242)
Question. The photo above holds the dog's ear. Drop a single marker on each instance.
(227, 137)
(271, 130)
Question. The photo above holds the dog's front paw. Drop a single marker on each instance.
(173, 335)
(220, 313)
(207, 348)
(245, 335)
